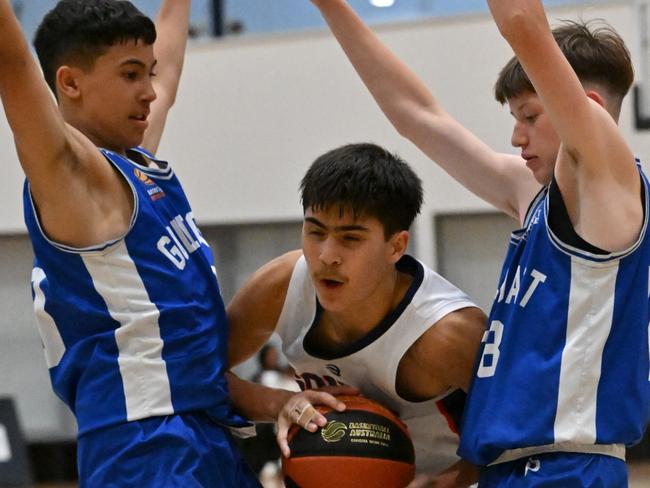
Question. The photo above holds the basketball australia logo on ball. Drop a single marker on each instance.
(366, 445)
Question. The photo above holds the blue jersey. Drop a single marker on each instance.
(565, 363)
(136, 327)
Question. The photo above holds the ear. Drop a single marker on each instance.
(398, 243)
(67, 82)
(597, 97)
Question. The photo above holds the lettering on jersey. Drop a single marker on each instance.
(311, 381)
(154, 191)
(182, 239)
(514, 287)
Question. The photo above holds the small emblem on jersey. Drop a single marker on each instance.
(334, 431)
(154, 192)
(142, 177)
(334, 369)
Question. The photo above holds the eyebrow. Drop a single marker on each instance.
(339, 228)
(138, 63)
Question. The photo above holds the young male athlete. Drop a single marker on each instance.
(127, 303)
(352, 308)
(561, 385)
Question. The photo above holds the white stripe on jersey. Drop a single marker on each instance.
(52, 342)
(589, 322)
(143, 370)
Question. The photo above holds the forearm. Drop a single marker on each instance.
(399, 92)
(255, 401)
(172, 26)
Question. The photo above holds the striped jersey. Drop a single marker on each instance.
(135, 327)
(565, 362)
(371, 363)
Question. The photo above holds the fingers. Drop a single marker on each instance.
(281, 437)
(300, 410)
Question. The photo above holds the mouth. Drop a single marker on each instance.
(330, 283)
(141, 118)
(529, 159)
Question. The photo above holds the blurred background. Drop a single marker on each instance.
(266, 90)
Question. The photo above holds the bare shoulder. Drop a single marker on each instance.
(278, 271)
(443, 357)
(255, 309)
(265, 291)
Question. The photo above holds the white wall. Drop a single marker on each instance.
(251, 116)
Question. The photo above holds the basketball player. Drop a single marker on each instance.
(352, 308)
(127, 303)
(561, 385)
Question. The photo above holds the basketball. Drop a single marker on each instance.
(366, 446)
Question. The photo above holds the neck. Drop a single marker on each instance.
(347, 326)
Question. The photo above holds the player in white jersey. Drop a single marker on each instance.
(352, 308)
(594, 207)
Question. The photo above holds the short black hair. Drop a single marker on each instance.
(595, 51)
(366, 180)
(79, 31)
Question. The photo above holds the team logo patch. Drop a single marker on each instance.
(154, 191)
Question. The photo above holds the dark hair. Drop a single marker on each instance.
(595, 52)
(80, 31)
(366, 180)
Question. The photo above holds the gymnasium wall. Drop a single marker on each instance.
(252, 113)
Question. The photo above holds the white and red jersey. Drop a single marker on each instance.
(371, 363)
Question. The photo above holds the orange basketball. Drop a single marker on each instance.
(365, 446)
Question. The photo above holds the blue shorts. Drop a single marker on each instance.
(557, 470)
(184, 451)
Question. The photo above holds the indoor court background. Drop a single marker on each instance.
(254, 109)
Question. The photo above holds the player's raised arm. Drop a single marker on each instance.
(172, 27)
(50, 151)
(500, 179)
(39, 131)
(595, 170)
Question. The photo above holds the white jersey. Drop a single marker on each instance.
(371, 363)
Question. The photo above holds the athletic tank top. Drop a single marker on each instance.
(371, 363)
(566, 359)
(135, 327)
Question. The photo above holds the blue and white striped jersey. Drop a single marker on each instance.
(136, 327)
(566, 359)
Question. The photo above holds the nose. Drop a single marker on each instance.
(519, 135)
(329, 253)
(149, 93)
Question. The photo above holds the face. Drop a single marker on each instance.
(351, 263)
(113, 99)
(534, 134)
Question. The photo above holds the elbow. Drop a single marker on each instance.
(519, 25)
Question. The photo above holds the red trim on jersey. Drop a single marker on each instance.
(450, 420)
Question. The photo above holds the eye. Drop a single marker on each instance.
(131, 75)
(351, 238)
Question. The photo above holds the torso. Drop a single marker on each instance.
(371, 362)
(567, 327)
(118, 319)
